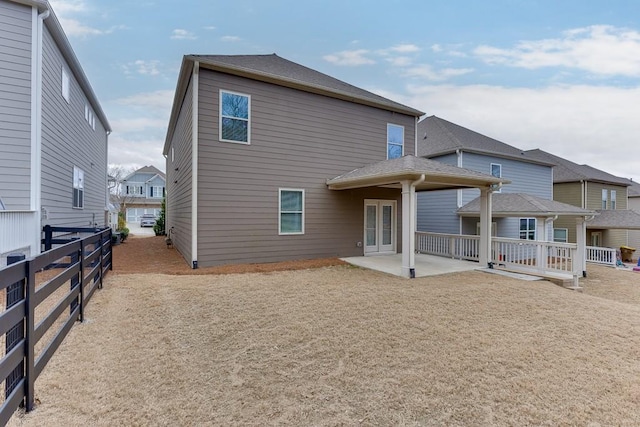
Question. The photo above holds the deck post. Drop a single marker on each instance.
(581, 240)
(541, 250)
(485, 228)
(408, 230)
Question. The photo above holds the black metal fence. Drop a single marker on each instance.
(82, 263)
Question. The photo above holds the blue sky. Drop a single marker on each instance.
(563, 76)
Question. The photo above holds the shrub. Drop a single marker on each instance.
(159, 226)
(124, 232)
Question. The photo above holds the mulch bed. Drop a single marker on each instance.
(151, 255)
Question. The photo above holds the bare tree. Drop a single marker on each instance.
(117, 182)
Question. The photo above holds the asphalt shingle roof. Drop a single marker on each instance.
(567, 171)
(275, 69)
(437, 137)
(519, 204)
(615, 219)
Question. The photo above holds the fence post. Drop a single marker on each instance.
(81, 279)
(30, 371)
(48, 236)
(15, 294)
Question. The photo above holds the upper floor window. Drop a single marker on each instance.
(604, 198)
(528, 228)
(235, 112)
(156, 191)
(291, 211)
(395, 141)
(89, 116)
(78, 188)
(613, 199)
(135, 190)
(496, 170)
(66, 93)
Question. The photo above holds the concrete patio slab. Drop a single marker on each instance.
(426, 265)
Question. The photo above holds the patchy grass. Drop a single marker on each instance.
(340, 345)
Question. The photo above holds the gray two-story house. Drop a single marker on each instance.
(447, 142)
(53, 132)
(268, 160)
(142, 192)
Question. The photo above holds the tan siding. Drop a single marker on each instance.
(614, 238)
(570, 224)
(570, 193)
(594, 195)
(178, 214)
(298, 140)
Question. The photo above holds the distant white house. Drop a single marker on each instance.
(142, 192)
(53, 132)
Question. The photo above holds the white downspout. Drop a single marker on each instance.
(36, 124)
(194, 166)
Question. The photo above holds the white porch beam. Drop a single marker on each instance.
(485, 227)
(409, 227)
(541, 235)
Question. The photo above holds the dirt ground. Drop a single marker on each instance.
(339, 345)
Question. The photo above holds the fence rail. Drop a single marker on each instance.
(606, 256)
(448, 245)
(89, 259)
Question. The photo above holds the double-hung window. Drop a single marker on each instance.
(235, 117)
(561, 235)
(613, 199)
(604, 198)
(78, 188)
(395, 141)
(496, 170)
(528, 228)
(291, 211)
(65, 86)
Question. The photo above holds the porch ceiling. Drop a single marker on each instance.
(624, 219)
(524, 205)
(391, 173)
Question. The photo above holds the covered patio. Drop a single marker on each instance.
(410, 174)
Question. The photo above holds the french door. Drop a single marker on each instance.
(379, 226)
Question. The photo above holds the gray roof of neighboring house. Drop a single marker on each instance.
(53, 24)
(276, 70)
(438, 137)
(633, 190)
(148, 169)
(615, 219)
(389, 172)
(519, 204)
(567, 171)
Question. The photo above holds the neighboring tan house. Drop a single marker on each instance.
(442, 211)
(53, 132)
(633, 199)
(594, 189)
(142, 192)
(268, 160)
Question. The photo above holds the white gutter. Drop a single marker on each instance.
(415, 137)
(36, 123)
(194, 166)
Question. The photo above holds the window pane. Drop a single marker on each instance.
(394, 151)
(395, 134)
(235, 130)
(523, 224)
(496, 170)
(291, 223)
(386, 225)
(235, 105)
(371, 225)
(291, 201)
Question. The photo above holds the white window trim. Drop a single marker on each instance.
(535, 228)
(248, 141)
(65, 88)
(566, 230)
(387, 146)
(280, 232)
(80, 186)
(499, 189)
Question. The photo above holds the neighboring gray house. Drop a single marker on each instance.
(142, 192)
(53, 132)
(268, 160)
(446, 142)
(633, 196)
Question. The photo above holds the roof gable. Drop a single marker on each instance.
(149, 172)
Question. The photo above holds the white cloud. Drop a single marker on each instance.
(350, 58)
(133, 154)
(404, 48)
(63, 7)
(400, 61)
(209, 28)
(180, 34)
(230, 38)
(427, 72)
(149, 68)
(160, 100)
(598, 49)
(73, 27)
(585, 124)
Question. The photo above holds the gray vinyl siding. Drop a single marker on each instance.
(437, 210)
(67, 141)
(15, 105)
(179, 174)
(298, 140)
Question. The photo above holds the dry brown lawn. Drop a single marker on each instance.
(339, 345)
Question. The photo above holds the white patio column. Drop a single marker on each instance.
(581, 240)
(541, 235)
(408, 229)
(485, 227)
